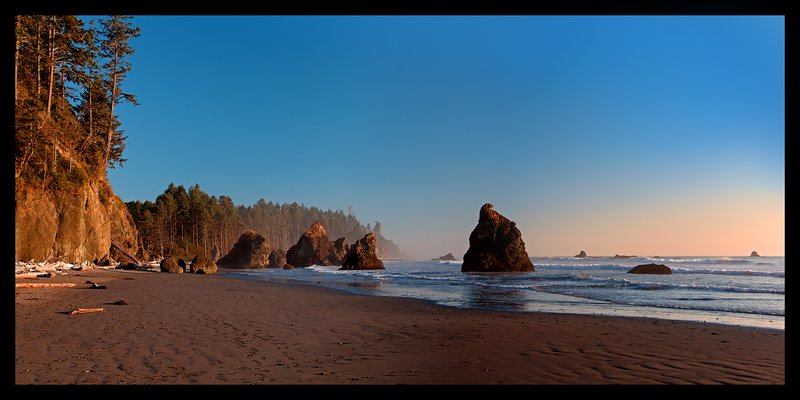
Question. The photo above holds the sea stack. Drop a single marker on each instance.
(363, 254)
(313, 248)
(754, 254)
(446, 257)
(250, 251)
(277, 258)
(338, 251)
(495, 245)
(582, 254)
(659, 269)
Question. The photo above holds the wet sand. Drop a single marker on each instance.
(184, 328)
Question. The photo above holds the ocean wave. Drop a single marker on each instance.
(455, 262)
(711, 288)
(748, 272)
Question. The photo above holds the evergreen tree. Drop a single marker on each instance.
(114, 46)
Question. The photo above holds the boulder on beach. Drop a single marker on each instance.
(495, 245)
(582, 254)
(313, 248)
(128, 267)
(622, 256)
(288, 267)
(338, 251)
(446, 257)
(651, 269)
(173, 265)
(277, 258)
(202, 265)
(754, 254)
(363, 254)
(250, 251)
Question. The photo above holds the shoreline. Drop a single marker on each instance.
(668, 314)
(185, 328)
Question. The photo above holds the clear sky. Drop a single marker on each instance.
(632, 135)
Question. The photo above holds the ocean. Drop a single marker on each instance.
(745, 291)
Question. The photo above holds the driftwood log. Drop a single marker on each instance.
(43, 285)
(32, 275)
(86, 310)
(124, 253)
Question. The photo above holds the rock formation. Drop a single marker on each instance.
(277, 258)
(622, 256)
(250, 251)
(71, 226)
(495, 245)
(651, 269)
(338, 251)
(754, 254)
(313, 248)
(128, 267)
(446, 257)
(288, 267)
(171, 265)
(363, 254)
(202, 265)
(582, 254)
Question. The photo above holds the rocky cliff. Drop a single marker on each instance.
(72, 226)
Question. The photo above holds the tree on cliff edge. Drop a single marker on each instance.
(116, 32)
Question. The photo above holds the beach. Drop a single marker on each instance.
(186, 328)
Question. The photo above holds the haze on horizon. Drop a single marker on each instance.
(615, 135)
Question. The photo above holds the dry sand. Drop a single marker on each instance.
(184, 328)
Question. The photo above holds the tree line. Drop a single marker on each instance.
(189, 222)
(68, 82)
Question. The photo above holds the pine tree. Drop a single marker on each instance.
(114, 46)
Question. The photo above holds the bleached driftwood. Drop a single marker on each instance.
(86, 310)
(32, 275)
(43, 285)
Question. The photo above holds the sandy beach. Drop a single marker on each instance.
(185, 328)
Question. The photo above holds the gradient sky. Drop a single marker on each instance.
(631, 135)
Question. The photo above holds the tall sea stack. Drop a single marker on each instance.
(496, 245)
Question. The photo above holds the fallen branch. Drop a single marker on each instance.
(85, 310)
(44, 285)
(32, 275)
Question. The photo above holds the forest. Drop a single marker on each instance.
(187, 222)
(68, 80)
(69, 76)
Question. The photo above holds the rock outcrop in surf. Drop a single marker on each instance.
(660, 269)
(250, 251)
(363, 254)
(495, 245)
(313, 248)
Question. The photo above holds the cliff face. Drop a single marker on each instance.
(73, 226)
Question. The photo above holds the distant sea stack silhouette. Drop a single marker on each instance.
(250, 251)
(754, 254)
(495, 245)
(659, 269)
(446, 257)
(622, 256)
(363, 254)
(313, 248)
(582, 254)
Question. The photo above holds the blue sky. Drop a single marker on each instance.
(586, 131)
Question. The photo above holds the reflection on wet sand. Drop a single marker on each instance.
(481, 296)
